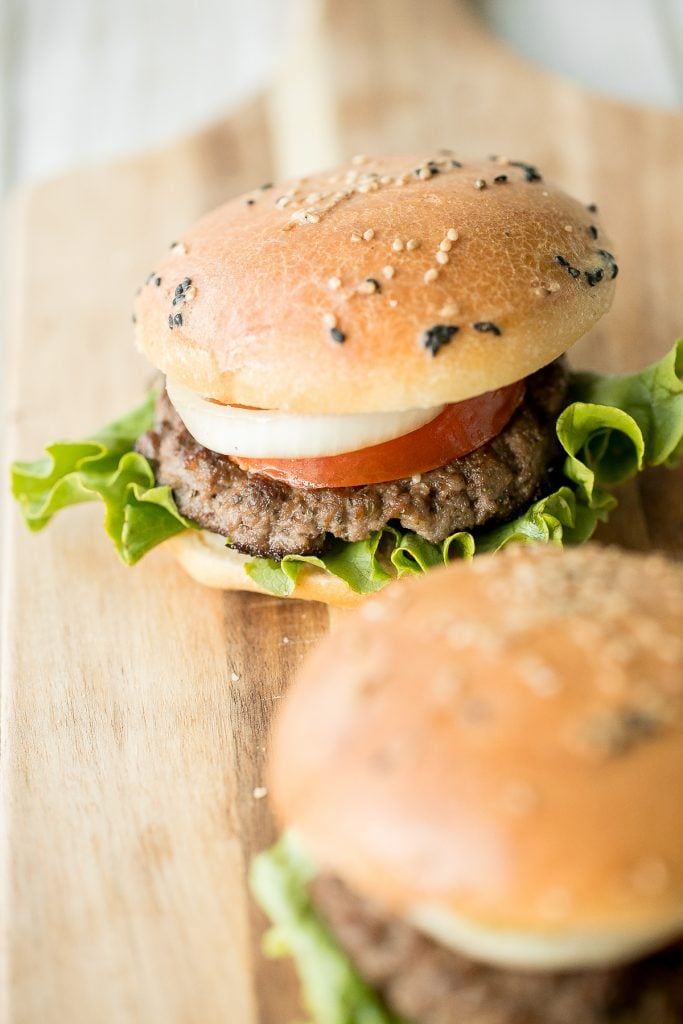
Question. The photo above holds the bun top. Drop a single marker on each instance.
(381, 285)
(495, 752)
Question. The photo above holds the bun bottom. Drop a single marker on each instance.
(207, 560)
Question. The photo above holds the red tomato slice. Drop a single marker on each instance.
(457, 431)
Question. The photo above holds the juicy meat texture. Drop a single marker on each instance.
(270, 518)
(426, 983)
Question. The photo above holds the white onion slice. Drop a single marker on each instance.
(270, 434)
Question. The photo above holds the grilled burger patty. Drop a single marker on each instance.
(428, 984)
(270, 518)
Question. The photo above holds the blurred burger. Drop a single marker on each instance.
(480, 779)
(363, 378)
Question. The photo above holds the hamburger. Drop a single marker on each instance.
(479, 776)
(363, 377)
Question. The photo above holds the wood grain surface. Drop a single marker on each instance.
(135, 703)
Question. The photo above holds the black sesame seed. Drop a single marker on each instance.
(433, 168)
(435, 337)
(150, 277)
(186, 282)
(487, 327)
(455, 163)
(249, 202)
(531, 173)
(594, 276)
(170, 320)
(173, 245)
(179, 290)
(337, 335)
(178, 320)
(266, 185)
(157, 280)
(500, 179)
(611, 260)
(561, 260)
(574, 271)
(444, 151)
(493, 156)
(592, 207)
(134, 318)
(592, 230)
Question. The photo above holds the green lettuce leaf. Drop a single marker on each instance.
(332, 989)
(138, 514)
(614, 427)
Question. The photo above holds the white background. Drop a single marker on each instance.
(86, 80)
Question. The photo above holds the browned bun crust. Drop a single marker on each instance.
(207, 560)
(501, 744)
(256, 330)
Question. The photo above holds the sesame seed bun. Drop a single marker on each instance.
(205, 557)
(495, 752)
(339, 292)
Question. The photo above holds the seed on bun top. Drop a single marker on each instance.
(495, 752)
(384, 284)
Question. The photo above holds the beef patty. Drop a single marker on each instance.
(270, 518)
(426, 983)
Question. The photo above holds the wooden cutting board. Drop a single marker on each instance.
(135, 703)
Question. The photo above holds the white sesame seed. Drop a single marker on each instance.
(285, 639)
(393, 303)
(306, 217)
(397, 245)
(368, 235)
(480, 183)
(442, 257)
(385, 179)
(552, 287)
(334, 283)
(283, 201)
(554, 904)
(330, 320)
(568, 227)
(445, 245)
(358, 159)
(424, 173)
(259, 792)
(355, 237)
(430, 275)
(452, 235)
(190, 293)
(450, 309)
(179, 249)
(651, 877)
(544, 193)
(400, 181)
(388, 272)
(367, 287)
(411, 244)
(234, 677)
